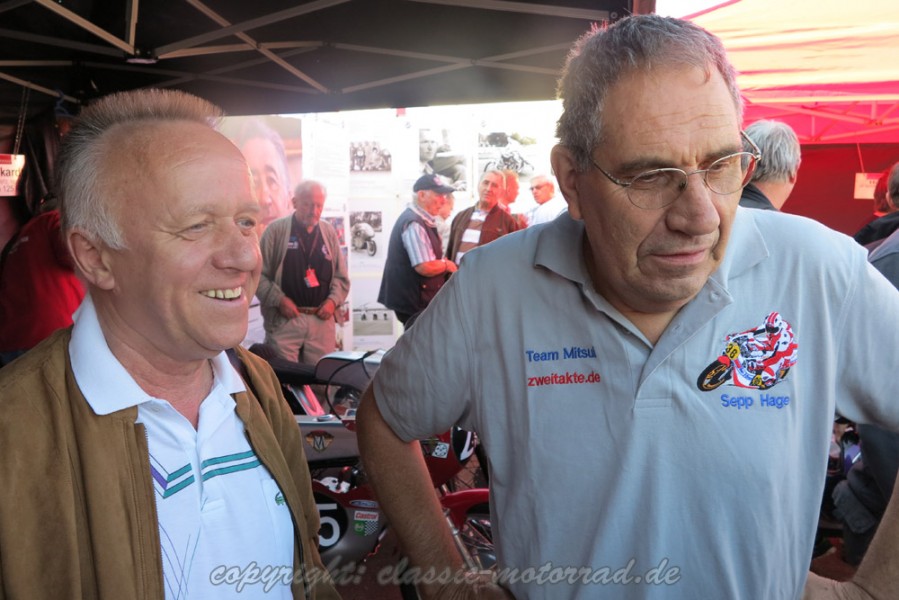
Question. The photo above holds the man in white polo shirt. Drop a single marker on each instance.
(634, 452)
(136, 461)
(549, 205)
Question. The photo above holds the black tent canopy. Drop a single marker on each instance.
(271, 56)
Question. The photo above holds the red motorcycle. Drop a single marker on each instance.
(324, 399)
(758, 358)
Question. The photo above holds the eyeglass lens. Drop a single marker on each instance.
(661, 187)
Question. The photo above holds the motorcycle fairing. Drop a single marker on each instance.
(757, 358)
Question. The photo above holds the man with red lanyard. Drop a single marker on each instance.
(304, 279)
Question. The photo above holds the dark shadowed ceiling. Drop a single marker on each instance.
(271, 56)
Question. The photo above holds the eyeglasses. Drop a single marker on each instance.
(658, 188)
(538, 186)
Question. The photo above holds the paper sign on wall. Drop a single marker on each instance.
(11, 166)
(864, 185)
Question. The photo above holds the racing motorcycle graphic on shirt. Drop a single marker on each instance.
(757, 358)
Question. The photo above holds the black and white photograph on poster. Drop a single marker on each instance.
(369, 155)
(366, 228)
(373, 323)
(506, 151)
(440, 152)
(370, 152)
(372, 318)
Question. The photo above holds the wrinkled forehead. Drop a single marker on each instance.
(313, 197)
(141, 155)
(492, 178)
(649, 111)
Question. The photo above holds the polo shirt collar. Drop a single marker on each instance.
(428, 219)
(105, 383)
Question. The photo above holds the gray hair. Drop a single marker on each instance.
(305, 188)
(779, 145)
(497, 172)
(893, 188)
(550, 181)
(602, 57)
(84, 155)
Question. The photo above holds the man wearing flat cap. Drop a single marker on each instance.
(416, 268)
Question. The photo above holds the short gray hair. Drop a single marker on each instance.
(305, 187)
(82, 164)
(497, 172)
(600, 58)
(550, 181)
(780, 149)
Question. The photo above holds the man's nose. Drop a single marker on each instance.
(238, 248)
(695, 211)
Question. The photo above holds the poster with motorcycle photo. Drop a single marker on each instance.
(508, 150)
(368, 236)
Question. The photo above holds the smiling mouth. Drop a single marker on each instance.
(224, 294)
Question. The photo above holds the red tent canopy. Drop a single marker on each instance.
(828, 68)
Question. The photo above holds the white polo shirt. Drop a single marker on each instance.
(606, 457)
(216, 504)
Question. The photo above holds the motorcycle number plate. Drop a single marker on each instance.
(732, 351)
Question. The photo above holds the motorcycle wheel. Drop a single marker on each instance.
(713, 376)
(477, 535)
(474, 473)
(372, 247)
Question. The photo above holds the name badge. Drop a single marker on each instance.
(311, 278)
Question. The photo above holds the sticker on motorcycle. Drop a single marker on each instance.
(365, 522)
(758, 358)
(332, 519)
(319, 440)
(435, 448)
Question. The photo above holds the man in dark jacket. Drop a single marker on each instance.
(416, 268)
(484, 222)
(774, 177)
(886, 215)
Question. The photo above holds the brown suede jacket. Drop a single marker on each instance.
(497, 224)
(77, 512)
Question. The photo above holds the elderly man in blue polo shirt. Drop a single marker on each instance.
(634, 452)
(416, 268)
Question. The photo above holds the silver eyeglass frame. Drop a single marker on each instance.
(756, 155)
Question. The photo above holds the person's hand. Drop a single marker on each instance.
(821, 588)
(451, 266)
(326, 310)
(287, 308)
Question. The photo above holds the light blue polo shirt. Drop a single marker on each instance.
(218, 508)
(613, 475)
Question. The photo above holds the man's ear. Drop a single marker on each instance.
(92, 259)
(565, 169)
